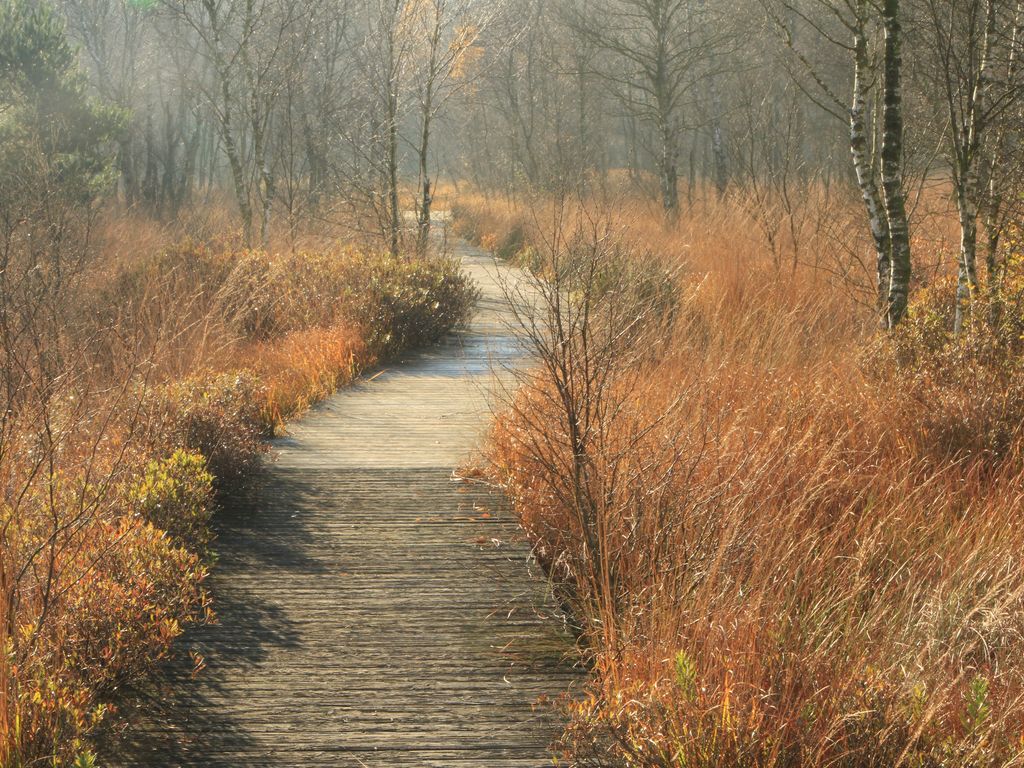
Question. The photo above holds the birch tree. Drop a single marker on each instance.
(871, 35)
(1003, 167)
(973, 46)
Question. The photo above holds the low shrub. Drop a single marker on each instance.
(185, 270)
(512, 243)
(505, 232)
(176, 495)
(94, 611)
(195, 308)
(269, 296)
(408, 303)
(963, 393)
(224, 418)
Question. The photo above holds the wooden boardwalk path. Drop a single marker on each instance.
(372, 612)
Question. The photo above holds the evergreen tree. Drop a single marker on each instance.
(52, 134)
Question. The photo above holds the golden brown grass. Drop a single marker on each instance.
(306, 366)
(792, 549)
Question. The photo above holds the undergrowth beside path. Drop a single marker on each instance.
(140, 395)
(789, 541)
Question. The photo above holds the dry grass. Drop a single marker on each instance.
(785, 545)
(306, 366)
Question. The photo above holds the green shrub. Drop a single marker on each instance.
(176, 495)
(223, 418)
(412, 302)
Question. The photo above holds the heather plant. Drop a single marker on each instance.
(967, 387)
(94, 594)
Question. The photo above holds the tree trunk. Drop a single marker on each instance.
(237, 171)
(260, 130)
(668, 168)
(423, 223)
(188, 173)
(720, 159)
(967, 152)
(863, 164)
(168, 183)
(150, 181)
(313, 159)
(394, 214)
(967, 272)
(720, 162)
(691, 173)
(267, 194)
(126, 163)
(892, 166)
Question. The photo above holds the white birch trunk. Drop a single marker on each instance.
(863, 164)
(975, 122)
(893, 191)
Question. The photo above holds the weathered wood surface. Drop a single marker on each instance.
(372, 611)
